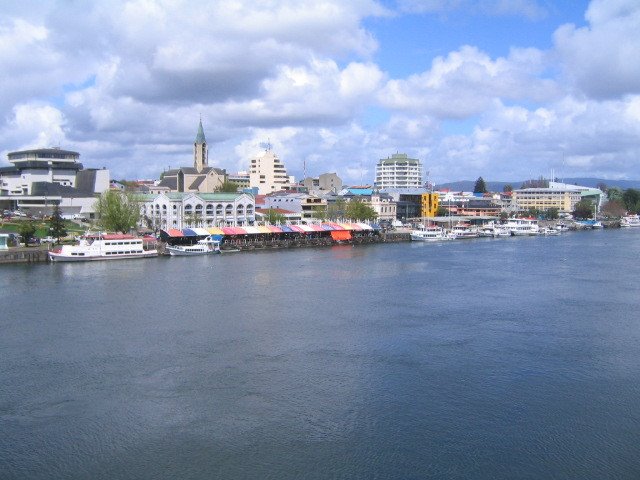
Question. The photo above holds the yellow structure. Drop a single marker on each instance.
(430, 203)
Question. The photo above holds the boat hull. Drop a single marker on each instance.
(57, 257)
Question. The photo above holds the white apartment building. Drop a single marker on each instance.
(181, 210)
(398, 171)
(268, 173)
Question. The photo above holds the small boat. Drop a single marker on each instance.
(630, 221)
(562, 227)
(430, 233)
(549, 231)
(202, 247)
(102, 247)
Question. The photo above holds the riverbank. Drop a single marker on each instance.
(38, 254)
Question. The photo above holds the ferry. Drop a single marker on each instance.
(429, 233)
(102, 247)
(463, 230)
(523, 226)
(202, 247)
(630, 221)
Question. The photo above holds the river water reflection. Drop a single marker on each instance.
(509, 358)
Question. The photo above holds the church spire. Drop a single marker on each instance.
(200, 136)
(200, 152)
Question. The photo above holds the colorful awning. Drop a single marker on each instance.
(297, 228)
(274, 229)
(263, 229)
(251, 230)
(172, 232)
(228, 231)
(286, 229)
(201, 231)
(215, 231)
(341, 235)
(316, 228)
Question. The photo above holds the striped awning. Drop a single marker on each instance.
(215, 231)
(364, 226)
(296, 228)
(286, 229)
(263, 229)
(274, 229)
(251, 230)
(201, 231)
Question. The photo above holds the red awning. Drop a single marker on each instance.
(175, 233)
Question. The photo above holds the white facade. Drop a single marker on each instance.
(268, 173)
(398, 171)
(182, 210)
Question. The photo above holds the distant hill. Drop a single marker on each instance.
(467, 185)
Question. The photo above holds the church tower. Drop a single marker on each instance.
(200, 152)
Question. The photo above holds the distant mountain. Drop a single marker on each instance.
(467, 185)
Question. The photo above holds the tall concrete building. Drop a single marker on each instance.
(398, 171)
(268, 173)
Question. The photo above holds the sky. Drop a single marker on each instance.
(503, 89)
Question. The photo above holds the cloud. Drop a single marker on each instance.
(465, 82)
(601, 58)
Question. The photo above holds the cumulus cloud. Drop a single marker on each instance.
(466, 81)
(601, 58)
(529, 9)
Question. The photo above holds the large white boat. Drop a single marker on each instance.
(523, 226)
(630, 221)
(102, 247)
(429, 233)
(202, 247)
(463, 230)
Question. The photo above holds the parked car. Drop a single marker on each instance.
(48, 240)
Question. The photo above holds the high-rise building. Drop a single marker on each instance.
(268, 173)
(398, 171)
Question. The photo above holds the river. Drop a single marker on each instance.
(512, 358)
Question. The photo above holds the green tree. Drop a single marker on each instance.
(117, 211)
(358, 210)
(552, 213)
(57, 228)
(583, 209)
(273, 217)
(480, 186)
(631, 200)
(227, 187)
(507, 188)
(337, 209)
(320, 213)
(27, 230)
(614, 193)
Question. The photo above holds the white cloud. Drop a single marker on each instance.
(602, 58)
(465, 82)
(529, 9)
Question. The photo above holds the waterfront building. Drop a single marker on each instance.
(563, 199)
(40, 179)
(268, 174)
(430, 204)
(181, 209)
(307, 206)
(384, 206)
(241, 179)
(327, 182)
(398, 171)
(408, 202)
(200, 178)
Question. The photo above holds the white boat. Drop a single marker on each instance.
(463, 230)
(562, 227)
(630, 221)
(549, 231)
(102, 247)
(430, 233)
(493, 230)
(202, 247)
(523, 226)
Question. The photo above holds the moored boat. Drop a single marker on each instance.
(463, 230)
(202, 247)
(430, 233)
(630, 221)
(103, 247)
(523, 226)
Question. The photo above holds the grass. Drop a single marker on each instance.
(42, 227)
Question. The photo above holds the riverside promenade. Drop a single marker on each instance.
(38, 254)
